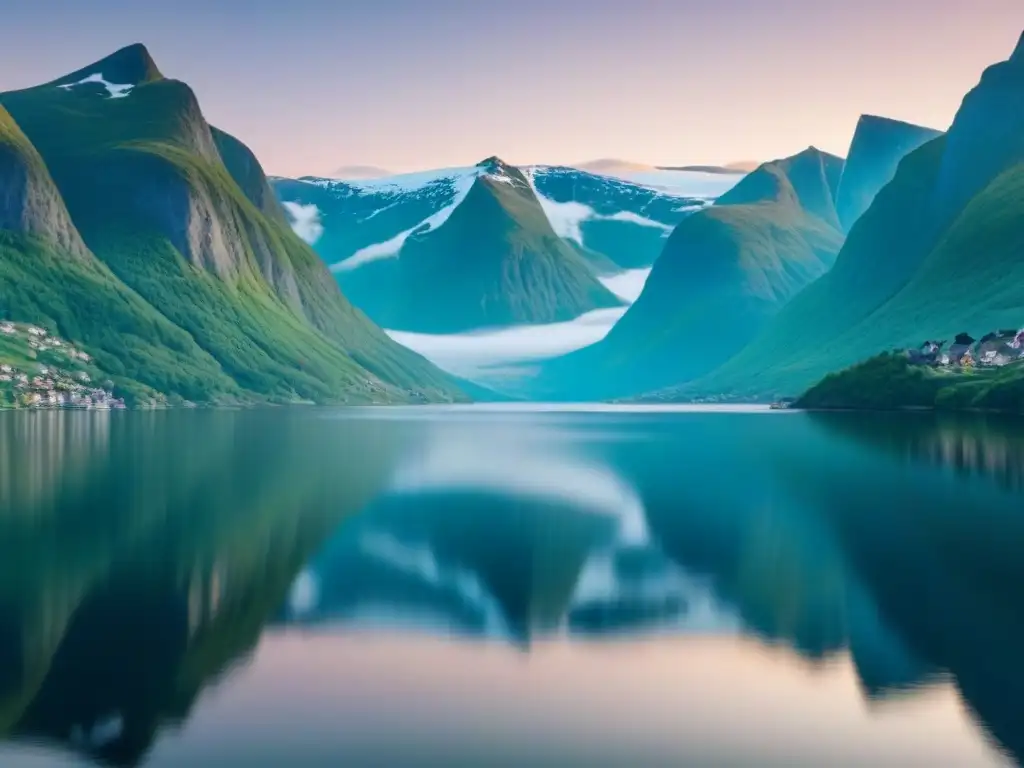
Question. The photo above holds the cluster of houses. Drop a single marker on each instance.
(49, 386)
(992, 350)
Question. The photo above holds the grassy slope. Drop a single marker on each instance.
(75, 295)
(880, 255)
(271, 313)
(725, 271)
(495, 261)
(129, 340)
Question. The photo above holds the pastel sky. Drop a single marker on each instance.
(312, 85)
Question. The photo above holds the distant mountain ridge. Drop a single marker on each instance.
(491, 260)
(367, 230)
(587, 208)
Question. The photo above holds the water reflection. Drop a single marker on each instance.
(143, 556)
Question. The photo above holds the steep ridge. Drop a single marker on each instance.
(182, 213)
(29, 201)
(985, 138)
(918, 264)
(879, 143)
(725, 271)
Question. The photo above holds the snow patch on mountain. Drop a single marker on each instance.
(461, 184)
(411, 182)
(305, 221)
(114, 90)
(566, 217)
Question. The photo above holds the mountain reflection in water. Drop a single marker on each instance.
(149, 557)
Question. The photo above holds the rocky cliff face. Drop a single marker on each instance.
(29, 201)
(247, 172)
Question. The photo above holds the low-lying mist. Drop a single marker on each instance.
(497, 354)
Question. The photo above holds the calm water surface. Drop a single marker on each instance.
(510, 587)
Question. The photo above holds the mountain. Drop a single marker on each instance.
(376, 236)
(493, 261)
(879, 144)
(725, 271)
(922, 262)
(612, 223)
(155, 241)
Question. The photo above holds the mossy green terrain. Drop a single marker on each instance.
(890, 382)
(188, 236)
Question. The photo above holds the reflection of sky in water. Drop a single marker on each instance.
(384, 699)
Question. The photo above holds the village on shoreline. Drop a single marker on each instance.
(40, 370)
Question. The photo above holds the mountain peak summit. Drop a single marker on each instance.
(492, 164)
(132, 65)
(1018, 52)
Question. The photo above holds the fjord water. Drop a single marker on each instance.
(510, 586)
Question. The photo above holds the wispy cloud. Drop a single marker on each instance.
(481, 354)
(305, 221)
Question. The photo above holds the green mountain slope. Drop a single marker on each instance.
(494, 261)
(878, 145)
(183, 215)
(49, 277)
(916, 265)
(725, 271)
